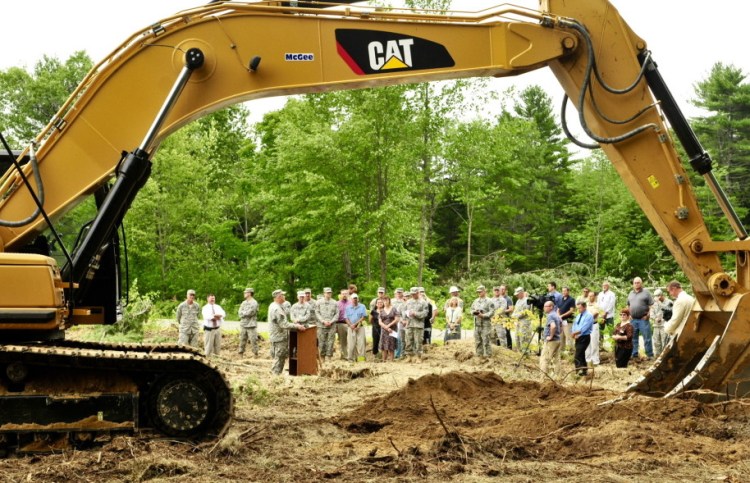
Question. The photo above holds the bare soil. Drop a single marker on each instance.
(447, 418)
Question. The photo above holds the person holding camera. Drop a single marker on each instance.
(482, 309)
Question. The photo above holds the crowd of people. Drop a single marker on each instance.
(402, 324)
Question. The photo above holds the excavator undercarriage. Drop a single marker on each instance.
(72, 392)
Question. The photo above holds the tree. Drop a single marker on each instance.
(29, 101)
(725, 133)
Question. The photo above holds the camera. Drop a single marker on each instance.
(538, 301)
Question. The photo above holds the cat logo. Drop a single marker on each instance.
(395, 55)
(369, 52)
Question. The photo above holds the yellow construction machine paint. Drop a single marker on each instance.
(102, 140)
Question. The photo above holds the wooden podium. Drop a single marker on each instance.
(303, 352)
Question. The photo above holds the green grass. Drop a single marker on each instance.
(252, 391)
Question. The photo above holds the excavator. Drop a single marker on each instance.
(56, 391)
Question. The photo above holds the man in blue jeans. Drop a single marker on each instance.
(640, 302)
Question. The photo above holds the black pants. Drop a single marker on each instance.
(375, 337)
(427, 335)
(509, 338)
(622, 356)
(582, 343)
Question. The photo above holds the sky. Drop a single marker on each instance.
(686, 41)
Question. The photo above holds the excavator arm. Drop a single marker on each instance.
(177, 70)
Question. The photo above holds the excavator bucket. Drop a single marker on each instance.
(708, 359)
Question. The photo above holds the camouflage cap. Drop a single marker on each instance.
(327, 290)
(249, 290)
(381, 289)
(399, 290)
(191, 292)
(481, 288)
(301, 293)
(308, 290)
(414, 290)
(278, 292)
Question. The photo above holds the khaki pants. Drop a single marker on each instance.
(566, 340)
(356, 340)
(212, 341)
(551, 357)
(343, 333)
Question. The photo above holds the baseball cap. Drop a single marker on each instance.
(453, 289)
(249, 290)
(327, 289)
(354, 296)
(657, 292)
(191, 292)
(518, 290)
(301, 293)
(399, 290)
(414, 290)
(421, 289)
(381, 289)
(278, 292)
(307, 290)
(481, 288)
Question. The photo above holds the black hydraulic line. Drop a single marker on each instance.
(700, 160)
(37, 201)
(590, 63)
(133, 172)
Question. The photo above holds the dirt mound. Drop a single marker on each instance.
(461, 416)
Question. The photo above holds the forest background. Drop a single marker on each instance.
(395, 186)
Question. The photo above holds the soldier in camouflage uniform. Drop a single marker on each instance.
(301, 312)
(327, 314)
(313, 303)
(482, 309)
(523, 323)
(188, 315)
(414, 313)
(278, 328)
(660, 312)
(248, 313)
(399, 303)
(498, 333)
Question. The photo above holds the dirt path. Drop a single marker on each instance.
(446, 418)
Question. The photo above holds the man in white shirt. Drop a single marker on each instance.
(683, 304)
(213, 316)
(606, 301)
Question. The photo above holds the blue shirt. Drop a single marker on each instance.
(584, 323)
(553, 318)
(353, 314)
(557, 296)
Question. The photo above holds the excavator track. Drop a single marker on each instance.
(55, 394)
